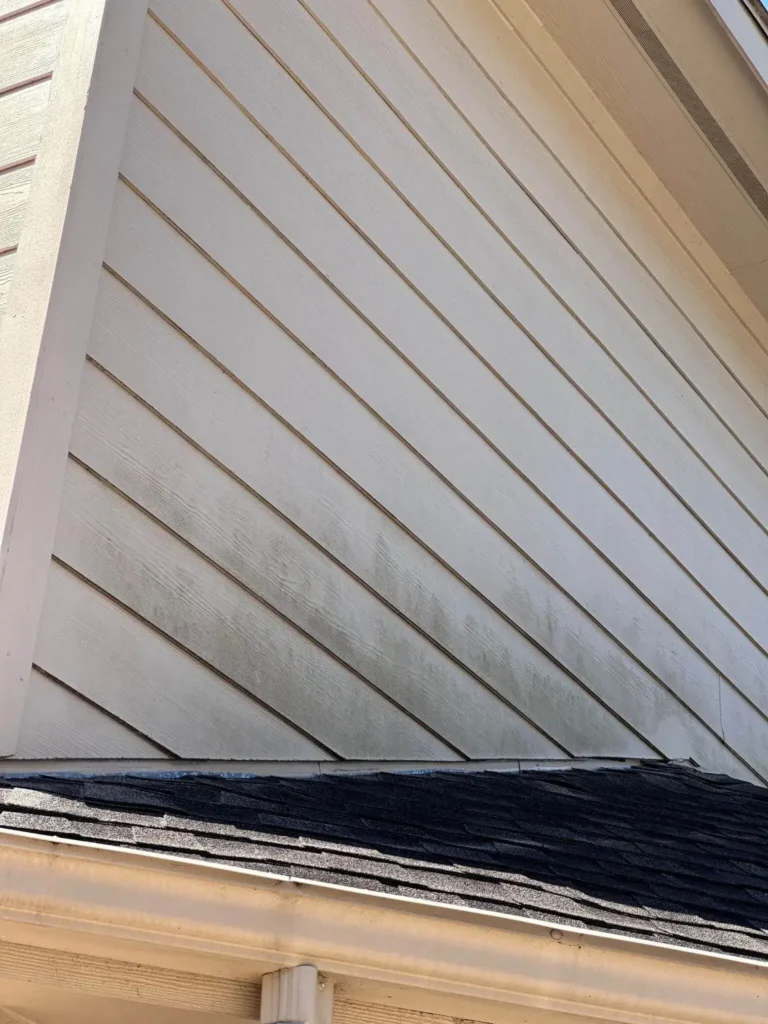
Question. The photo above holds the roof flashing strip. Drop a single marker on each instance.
(165, 769)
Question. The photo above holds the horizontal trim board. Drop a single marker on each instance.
(132, 982)
(92, 766)
(351, 1012)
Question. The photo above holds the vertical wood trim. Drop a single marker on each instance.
(49, 312)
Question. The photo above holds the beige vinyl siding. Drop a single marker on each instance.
(29, 45)
(389, 430)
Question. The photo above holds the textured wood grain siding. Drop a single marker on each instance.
(394, 432)
(29, 46)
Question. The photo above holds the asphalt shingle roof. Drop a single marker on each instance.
(657, 852)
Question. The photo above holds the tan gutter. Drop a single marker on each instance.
(370, 940)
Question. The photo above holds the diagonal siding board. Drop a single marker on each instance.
(380, 56)
(178, 381)
(112, 659)
(342, 340)
(700, 274)
(58, 723)
(29, 45)
(21, 123)
(354, 441)
(223, 521)
(417, 490)
(526, 72)
(341, 90)
(308, 220)
(171, 587)
(697, 343)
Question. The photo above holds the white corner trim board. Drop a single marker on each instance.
(49, 311)
(378, 948)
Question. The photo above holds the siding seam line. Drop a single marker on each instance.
(26, 161)
(25, 84)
